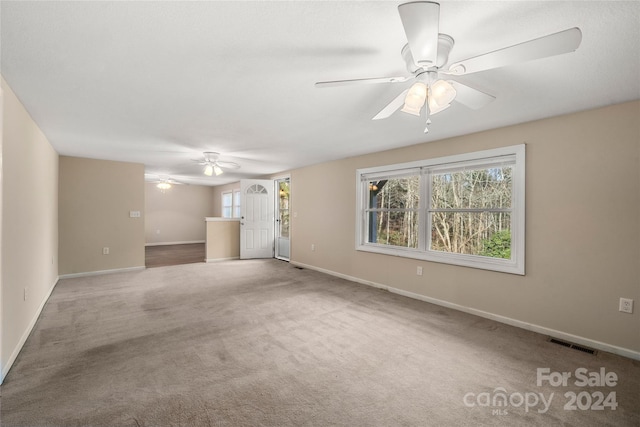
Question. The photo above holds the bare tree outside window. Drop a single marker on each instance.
(393, 211)
(471, 212)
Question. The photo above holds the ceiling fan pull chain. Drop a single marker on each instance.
(426, 111)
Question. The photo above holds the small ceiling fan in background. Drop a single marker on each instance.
(427, 54)
(165, 182)
(213, 165)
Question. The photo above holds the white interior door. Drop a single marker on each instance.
(257, 219)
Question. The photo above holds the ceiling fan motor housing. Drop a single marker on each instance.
(445, 44)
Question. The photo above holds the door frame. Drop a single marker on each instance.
(276, 216)
(268, 185)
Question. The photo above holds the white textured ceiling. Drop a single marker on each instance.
(160, 82)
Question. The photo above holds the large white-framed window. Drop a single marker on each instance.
(231, 204)
(227, 204)
(466, 209)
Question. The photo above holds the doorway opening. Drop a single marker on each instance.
(166, 255)
(264, 218)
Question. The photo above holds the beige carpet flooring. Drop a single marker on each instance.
(261, 343)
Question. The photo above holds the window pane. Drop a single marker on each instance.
(283, 207)
(397, 193)
(394, 228)
(236, 204)
(473, 233)
(226, 199)
(480, 188)
(226, 212)
(283, 194)
(284, 223)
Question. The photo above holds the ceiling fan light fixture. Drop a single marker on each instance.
(441, 93)
(208, 169)
(415, 99)
(217, 170)
(435, 108)
(163, 185)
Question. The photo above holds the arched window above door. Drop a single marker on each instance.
(257, 189)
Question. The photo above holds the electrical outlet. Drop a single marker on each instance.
(626, 305)
(313, 247)
(419, 271)
(105, 251)
(134, 214)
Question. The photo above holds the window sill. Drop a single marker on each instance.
(472, 261)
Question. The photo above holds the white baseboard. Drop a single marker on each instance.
(621, 351)
(221, 259)
(187, 242)
(4, 370)
(101, 272)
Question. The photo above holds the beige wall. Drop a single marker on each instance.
(223, 239)
(96, 197)
(582, 227)
(29, 225)
(177, 214)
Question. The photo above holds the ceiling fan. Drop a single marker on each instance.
(164, 182)
(427, 54)
(212, 164)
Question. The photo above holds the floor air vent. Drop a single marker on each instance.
(573, 346)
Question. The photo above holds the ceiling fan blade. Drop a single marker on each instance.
(392, 106)
(470, 97)
(362, 81)
(227, 165)
(420, 20)
(554, 44)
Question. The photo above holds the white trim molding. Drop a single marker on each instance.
(620, 351)
(219, 219)
(221, 259)
(4, 370)
(188, 242)
(101, 272)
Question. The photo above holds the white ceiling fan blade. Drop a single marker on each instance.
(362, 81)
(470, 97)
(171, 182)
(421, 25)
(392, 106)
(554, 44)
(160, 179)
(227, 165)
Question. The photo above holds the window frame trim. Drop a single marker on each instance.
(235, 197)
(223, 206)
(515, 265)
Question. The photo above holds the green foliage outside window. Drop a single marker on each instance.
(498, 245)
